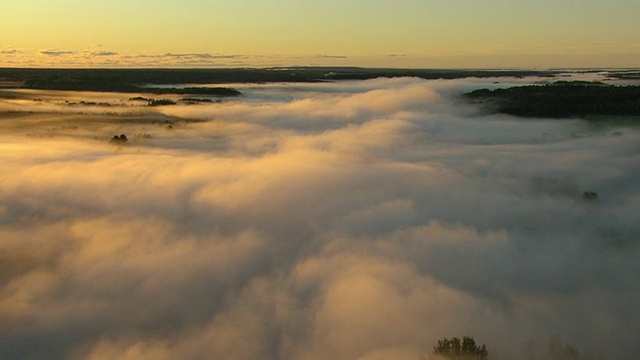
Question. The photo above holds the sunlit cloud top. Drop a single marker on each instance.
(332, 220)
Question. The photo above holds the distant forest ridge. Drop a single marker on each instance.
(557, 100)
(142, 80)
(41, 76)
(562, 99)
(245, 75)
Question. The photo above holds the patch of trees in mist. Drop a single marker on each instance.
(467, 349)
(562, 100)
(113, 80)
(115, 86)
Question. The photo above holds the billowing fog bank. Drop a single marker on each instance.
(352, 220)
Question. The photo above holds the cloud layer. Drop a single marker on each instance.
(96, 57)
(352, 220)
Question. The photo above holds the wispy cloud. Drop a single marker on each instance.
(10, 51)
(104, 53)
(57, 52)
(182, 59)
(198, 56)
(325, 56)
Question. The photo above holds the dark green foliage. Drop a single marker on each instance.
(119, 139)
(142, 80)
(562, 100)
(89, 85)
(191, 101)
(124, 80)
(218, 91)
(590, 195)
(364, 74)
(115, 80)
(465, 349)
(161, 102)
(625, 74)
(88, 103)
(140, 98)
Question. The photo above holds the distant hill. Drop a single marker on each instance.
(126, 79)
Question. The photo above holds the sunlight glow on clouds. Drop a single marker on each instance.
(348, 220)
(106, 58)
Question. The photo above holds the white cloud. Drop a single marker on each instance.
(352, 220)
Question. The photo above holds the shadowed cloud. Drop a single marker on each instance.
(57, 52)
(104, 53)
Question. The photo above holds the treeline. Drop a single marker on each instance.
(118, 85)
(114, 78)
(467, 349)
(625, 74)
(561, 100)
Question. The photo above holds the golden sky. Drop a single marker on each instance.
(379, 33)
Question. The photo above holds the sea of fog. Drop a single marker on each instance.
(340, 220)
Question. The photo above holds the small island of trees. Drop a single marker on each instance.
(561, 99)
(467, 349)
(454, 348)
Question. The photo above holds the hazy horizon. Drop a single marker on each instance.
(368, 33)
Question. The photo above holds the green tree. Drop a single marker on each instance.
(465, 349)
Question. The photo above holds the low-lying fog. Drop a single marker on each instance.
(349, 220)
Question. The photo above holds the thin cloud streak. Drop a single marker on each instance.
(106, 58)
(10, 51)
(104, 53)
(57, 52)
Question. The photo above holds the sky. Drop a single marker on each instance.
(376, 33)
(346, 220)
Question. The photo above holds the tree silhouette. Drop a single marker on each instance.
(559, 350)
(465, 349)
(119, 139)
